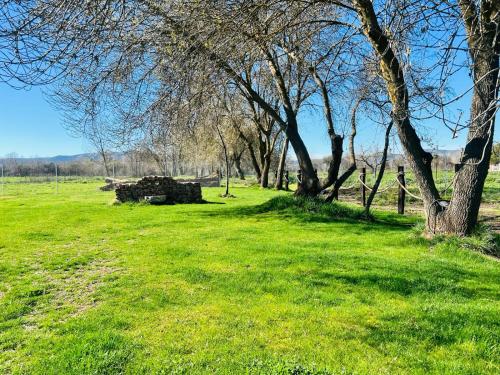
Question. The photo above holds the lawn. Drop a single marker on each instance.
(235, 286)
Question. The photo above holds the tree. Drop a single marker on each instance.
(495, 156)
(129, 61)
(97, 137)
(481, 25)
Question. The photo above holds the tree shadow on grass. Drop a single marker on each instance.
(468, 336)
(210, 202)
(404, 282)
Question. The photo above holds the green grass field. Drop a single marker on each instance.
(236, 286)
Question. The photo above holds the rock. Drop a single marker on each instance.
(207, 181)
(113, 183)
(155, 199)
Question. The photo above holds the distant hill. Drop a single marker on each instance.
(52, 159)
(60, 158)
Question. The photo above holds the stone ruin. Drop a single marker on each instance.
(113, 183)
(159, 189)
(212, 180)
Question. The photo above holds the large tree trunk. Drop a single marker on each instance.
(251, 151)
(281, 166)
(461, 215)
(310, 182)
(255, 163)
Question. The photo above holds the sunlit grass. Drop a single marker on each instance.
(256, 284)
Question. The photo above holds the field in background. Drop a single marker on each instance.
(491, 193)
(233, 286)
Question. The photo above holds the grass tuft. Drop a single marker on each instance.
(483, 241)
(307, 206)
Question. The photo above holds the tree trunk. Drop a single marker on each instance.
(251, 151)
(227, 175)
(265, 153)
(281, 166)
(334, 194)
(460, 217)
(310, 181)
(237, 166)
(255, 163)
(335, 140)
(106, 163)
(226, 158)
(380, 175)
(334, 167)
(264, 180)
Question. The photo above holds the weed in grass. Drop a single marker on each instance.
(483, 240)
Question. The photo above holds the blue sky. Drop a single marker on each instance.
(29, 126)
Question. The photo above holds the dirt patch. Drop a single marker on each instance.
(69, 292)
(489, 214)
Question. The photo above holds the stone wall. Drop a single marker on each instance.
(113, 183)
(175, 192)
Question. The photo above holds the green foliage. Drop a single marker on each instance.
(262, 284)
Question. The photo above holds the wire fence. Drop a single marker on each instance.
(389, 192)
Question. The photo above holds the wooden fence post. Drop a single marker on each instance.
(335, 193)
(57, 186)
(363, 188)
(286, 180)
(402, 192)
